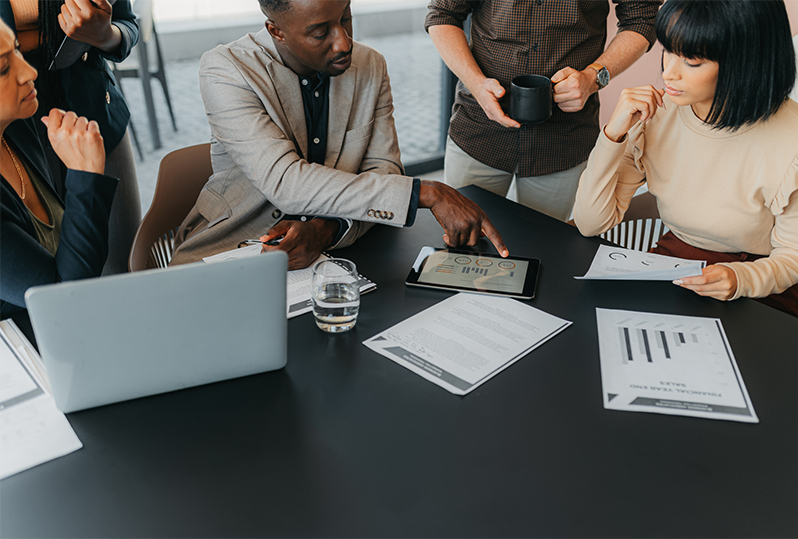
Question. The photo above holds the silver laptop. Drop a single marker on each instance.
(116, 338)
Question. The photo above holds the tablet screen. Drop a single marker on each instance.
(462, 270)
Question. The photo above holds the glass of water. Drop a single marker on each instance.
(335, 295)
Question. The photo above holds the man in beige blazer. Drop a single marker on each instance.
(267, 183)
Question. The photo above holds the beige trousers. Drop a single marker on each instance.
(552, 194)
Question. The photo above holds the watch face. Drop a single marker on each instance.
(603, 77)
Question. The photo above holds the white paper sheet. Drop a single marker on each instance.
(668, 364)
(235, 254)
(32, 430)
(466, 339)
(299, 281)
(299, 285)
(27, 352)
(617, 263)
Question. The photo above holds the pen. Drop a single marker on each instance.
(97, 5)
(275, 241)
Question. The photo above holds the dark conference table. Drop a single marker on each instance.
(344, 442)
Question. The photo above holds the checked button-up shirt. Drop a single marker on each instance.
(510, 38)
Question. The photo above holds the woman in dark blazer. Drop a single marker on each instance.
(45, 238)
(88, 88)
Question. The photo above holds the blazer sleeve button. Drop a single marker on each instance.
(371, 213)
(277, 214)
(108, 98)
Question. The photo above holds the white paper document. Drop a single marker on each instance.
(32, 429)
(299, 281)
(299, 286)
(27, 352)
(466, 339)
(617, 263)
(669, 364)
(235, 254)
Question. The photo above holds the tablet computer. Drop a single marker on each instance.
(466, 271)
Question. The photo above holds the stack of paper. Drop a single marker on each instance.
(32, 430)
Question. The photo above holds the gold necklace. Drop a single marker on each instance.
(16, 166)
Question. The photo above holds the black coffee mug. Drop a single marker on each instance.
(530, 99)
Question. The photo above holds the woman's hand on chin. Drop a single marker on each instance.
(76, 141)
(634, 105)
(719, 282)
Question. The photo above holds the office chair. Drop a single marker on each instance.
(641, 227)
(143, 10)
(181, 176)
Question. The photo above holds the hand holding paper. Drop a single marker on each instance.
(717, 282)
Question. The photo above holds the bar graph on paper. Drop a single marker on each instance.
(648, 345)
(670, 364)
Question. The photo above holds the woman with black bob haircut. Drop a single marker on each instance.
(717, 146)
(756, 60)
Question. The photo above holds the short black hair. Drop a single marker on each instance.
(752, 43)
(274, 6)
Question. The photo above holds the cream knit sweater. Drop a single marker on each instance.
(717, 190)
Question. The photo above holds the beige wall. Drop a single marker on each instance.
(792, 11)
(647, 69)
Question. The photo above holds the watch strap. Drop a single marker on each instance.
(599, 68)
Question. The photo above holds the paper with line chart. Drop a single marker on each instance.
(669, 364)
(616, 263)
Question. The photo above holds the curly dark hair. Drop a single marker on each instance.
(274, 6)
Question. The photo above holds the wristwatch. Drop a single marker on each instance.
(602, 75)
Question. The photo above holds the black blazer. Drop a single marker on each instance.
(89, 85)
(83, 248)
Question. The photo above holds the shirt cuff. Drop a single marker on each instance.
(343, 227)
(414, 194)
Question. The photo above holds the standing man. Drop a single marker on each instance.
(302, 126)
(561, 40)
